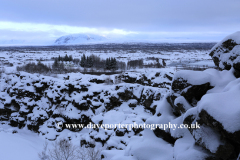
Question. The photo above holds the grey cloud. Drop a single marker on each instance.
(24, 37)
(136, 15)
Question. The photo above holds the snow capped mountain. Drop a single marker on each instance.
(79, 39)
(74, 39)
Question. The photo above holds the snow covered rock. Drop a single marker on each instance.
(220, 111)
(188, 87)
(185, 148)
(38, 103)
(158, 80)
(217, 114)
(209, 98)
(226, 54)
(209, 138)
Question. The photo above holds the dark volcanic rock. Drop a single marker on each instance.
(34, 125)
(147, 104)
(98, 81)
(121, 132)
(81, 106)
(14, 104)
(114, 102)
(170, 99)
(126, 95)
(179, 109)
(164, 135)
(41, 89)
(179, 84)
(195, 93)
(133, 105)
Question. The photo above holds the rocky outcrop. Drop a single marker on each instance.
(226, 54)
(207, 117)
(189, 99)
(41, 103)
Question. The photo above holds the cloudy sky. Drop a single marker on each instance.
(163, 20)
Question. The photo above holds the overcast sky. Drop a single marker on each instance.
(209, 20)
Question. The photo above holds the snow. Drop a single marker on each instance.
(178, 133)
(209, 63)
(184, 149)
(116, 155)
(113, 117)
(209, 137)
(193, 77)
(224, 107)
(183, 101)
(148, 147)
(24, 145)
(165, 109)
(218, 79)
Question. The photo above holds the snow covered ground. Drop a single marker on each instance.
(30, 100)
(173, 55)
(19, 146)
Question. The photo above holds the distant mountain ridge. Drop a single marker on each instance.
(79, 39)
(85, 38)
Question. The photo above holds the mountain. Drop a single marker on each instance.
(128, 38)
(79, 39)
